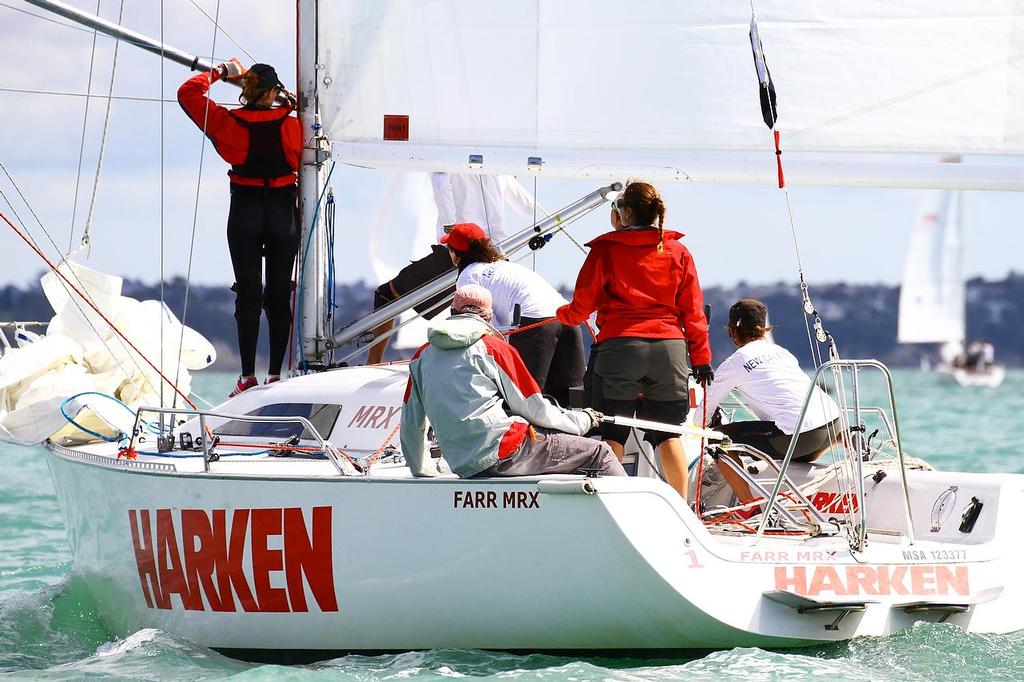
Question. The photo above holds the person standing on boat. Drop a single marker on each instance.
(487, 412)
(552, 351)
(460, 198)
(770, 382)
(263, 144)
(650, 310)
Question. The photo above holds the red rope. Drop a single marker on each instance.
(375, 456)
(528, 327)
(700, 462)
(92, 305)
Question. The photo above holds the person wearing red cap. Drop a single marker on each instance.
(553, 352)
(460, 198)
(650, 310)
(263, 144)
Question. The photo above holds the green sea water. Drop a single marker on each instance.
(49, 627)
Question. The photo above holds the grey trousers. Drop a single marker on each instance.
(554, 452)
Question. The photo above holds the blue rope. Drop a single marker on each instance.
(302, 271)
(149, 427)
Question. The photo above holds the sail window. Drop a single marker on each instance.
(321, 416)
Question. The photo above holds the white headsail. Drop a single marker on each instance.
(932, 297)
(403, 232)
(669, 90)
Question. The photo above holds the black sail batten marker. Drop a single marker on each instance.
(766, 90)
(766, 94)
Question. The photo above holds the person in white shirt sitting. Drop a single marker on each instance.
(553, 352)
(770, 382)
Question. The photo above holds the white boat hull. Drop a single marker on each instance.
(986, 378)
(371, 564)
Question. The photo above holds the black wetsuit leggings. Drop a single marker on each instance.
(554, 355)
(262, 224)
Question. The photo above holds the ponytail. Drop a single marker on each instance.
(647, 206)
(251, 92)
(658, 205)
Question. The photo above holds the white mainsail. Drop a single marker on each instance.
(932, 296)
(584, 85)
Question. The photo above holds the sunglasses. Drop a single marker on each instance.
(615, 204)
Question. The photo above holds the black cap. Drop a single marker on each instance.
(268, 76)
(748, 313)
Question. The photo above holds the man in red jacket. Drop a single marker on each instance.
(263, 144)
(650, 310)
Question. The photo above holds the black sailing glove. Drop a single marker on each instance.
(704, 374)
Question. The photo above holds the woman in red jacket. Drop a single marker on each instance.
(263, 144)
(650, 311)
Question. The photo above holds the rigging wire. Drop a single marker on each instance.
(163, 301)
(222, 30)
(103, 139)
(49, 19)
(85, 124)
(63, 280)
(85, 297)
(195, 209)
(95, 95)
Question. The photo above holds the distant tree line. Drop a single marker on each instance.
(861, 317)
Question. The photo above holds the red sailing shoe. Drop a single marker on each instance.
(244, 383)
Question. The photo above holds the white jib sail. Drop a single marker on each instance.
(82, 354)
(669, 89)
(932, 296)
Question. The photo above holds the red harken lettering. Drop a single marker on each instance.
(194, 555)
(919, 580)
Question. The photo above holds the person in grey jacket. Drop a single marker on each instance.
(488, 413)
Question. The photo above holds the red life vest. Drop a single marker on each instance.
(265, 159)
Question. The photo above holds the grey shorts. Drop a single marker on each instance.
(657, 368)
(554, 452)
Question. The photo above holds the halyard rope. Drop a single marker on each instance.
(85, 122)
(195, 209)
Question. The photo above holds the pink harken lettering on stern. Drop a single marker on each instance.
(917, 580)
(194, 554)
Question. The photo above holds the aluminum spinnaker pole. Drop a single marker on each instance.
(111, 29)
(178, 56)
(397, 307)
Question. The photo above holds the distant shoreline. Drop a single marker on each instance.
(862, 317)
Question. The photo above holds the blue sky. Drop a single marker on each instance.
(735, 232)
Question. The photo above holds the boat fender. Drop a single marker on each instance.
(562, 487)
(970, 516)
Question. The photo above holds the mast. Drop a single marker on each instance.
(312, 315)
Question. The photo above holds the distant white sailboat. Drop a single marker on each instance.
(933, 292)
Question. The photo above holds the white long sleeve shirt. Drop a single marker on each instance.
(509, 284)
(771, 383)
(479, 199)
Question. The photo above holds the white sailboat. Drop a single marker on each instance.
(284, 522)
(933, 294)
